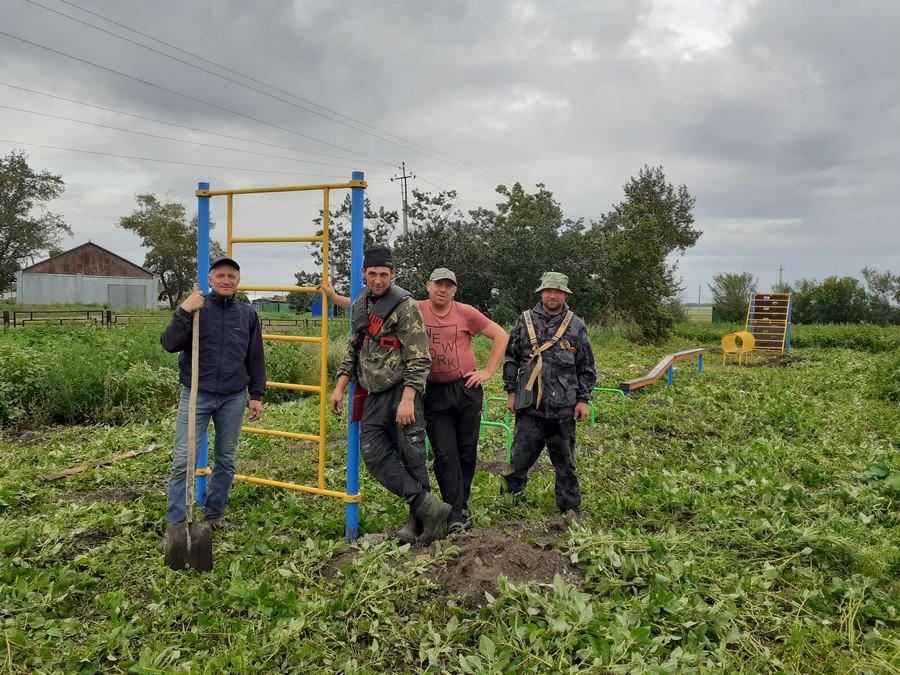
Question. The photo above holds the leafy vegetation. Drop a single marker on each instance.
(731, 294)
(620, 267)
(744, 520)
(171, 238)
(27, 230)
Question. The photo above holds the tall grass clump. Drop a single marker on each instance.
(886, 381)
(65, 374)
(22, 382)
(706, 333)
(93, 374)
(858, 337)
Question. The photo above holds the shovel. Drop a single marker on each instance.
(189, 544)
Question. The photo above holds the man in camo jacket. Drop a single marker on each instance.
(388, 358)
(549, 376)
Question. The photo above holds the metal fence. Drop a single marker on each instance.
(106, 317)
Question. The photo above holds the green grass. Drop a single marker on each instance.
(745, 520)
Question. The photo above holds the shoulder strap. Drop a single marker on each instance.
(369, 323)
(536, 352)
(567, 319)
(529, 324)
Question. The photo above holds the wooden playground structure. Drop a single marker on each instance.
(767, 328)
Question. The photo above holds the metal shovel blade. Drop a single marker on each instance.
(189, 545)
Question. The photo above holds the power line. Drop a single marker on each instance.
(187, 96)
(179, 126)
(165, 161)
(402, 142)
(176, 140)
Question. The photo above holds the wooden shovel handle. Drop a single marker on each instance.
(192, 414)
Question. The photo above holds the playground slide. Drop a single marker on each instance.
(661, 368)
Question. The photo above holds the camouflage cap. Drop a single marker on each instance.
(556, 280)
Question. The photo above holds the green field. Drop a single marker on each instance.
(745, 520)
(702, 314)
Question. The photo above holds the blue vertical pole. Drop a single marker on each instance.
(670, 375)
(202, 273)
(357, 241)
(700, 363)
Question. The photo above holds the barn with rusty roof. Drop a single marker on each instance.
(87, 275)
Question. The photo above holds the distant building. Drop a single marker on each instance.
(9, 295)
(277, 303)
(87, 275)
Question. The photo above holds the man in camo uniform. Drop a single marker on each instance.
(549, 375)
(388, 358)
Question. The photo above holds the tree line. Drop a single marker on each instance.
(618, 266)
(834, 300)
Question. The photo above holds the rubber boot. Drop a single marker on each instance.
(433, 514)
(411, 530)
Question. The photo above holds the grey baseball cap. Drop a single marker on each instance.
(442, 273)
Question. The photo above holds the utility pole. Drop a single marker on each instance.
(699, 288)
(780, 282)
(403, 177)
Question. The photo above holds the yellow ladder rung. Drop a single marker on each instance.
(292, 338)
(282, 289)
(270, 240)
(314, 388)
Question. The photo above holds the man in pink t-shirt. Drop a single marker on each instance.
(453, 394)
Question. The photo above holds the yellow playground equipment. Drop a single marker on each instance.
(744, 350)
(768, 328)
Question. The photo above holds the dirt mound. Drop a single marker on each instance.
(521, 553)
(777, 361)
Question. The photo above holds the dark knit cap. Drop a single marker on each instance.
(378, 255)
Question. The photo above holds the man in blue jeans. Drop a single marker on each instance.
(231, 360)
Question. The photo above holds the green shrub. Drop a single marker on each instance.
(706, 333)
(141, 392)
(22, 381)
(886, 382)
(859, 337)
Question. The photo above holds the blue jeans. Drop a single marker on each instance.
(227, 413)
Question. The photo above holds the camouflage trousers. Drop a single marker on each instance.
(394, 454)
(531, 434)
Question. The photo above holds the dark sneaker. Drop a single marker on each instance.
(218, 523)
(457, 526)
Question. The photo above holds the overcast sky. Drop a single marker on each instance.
(782, 117)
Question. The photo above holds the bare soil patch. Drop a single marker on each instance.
(93, 539)
(523, 554)
(105, 495)
(496, 467)
(777, 361)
